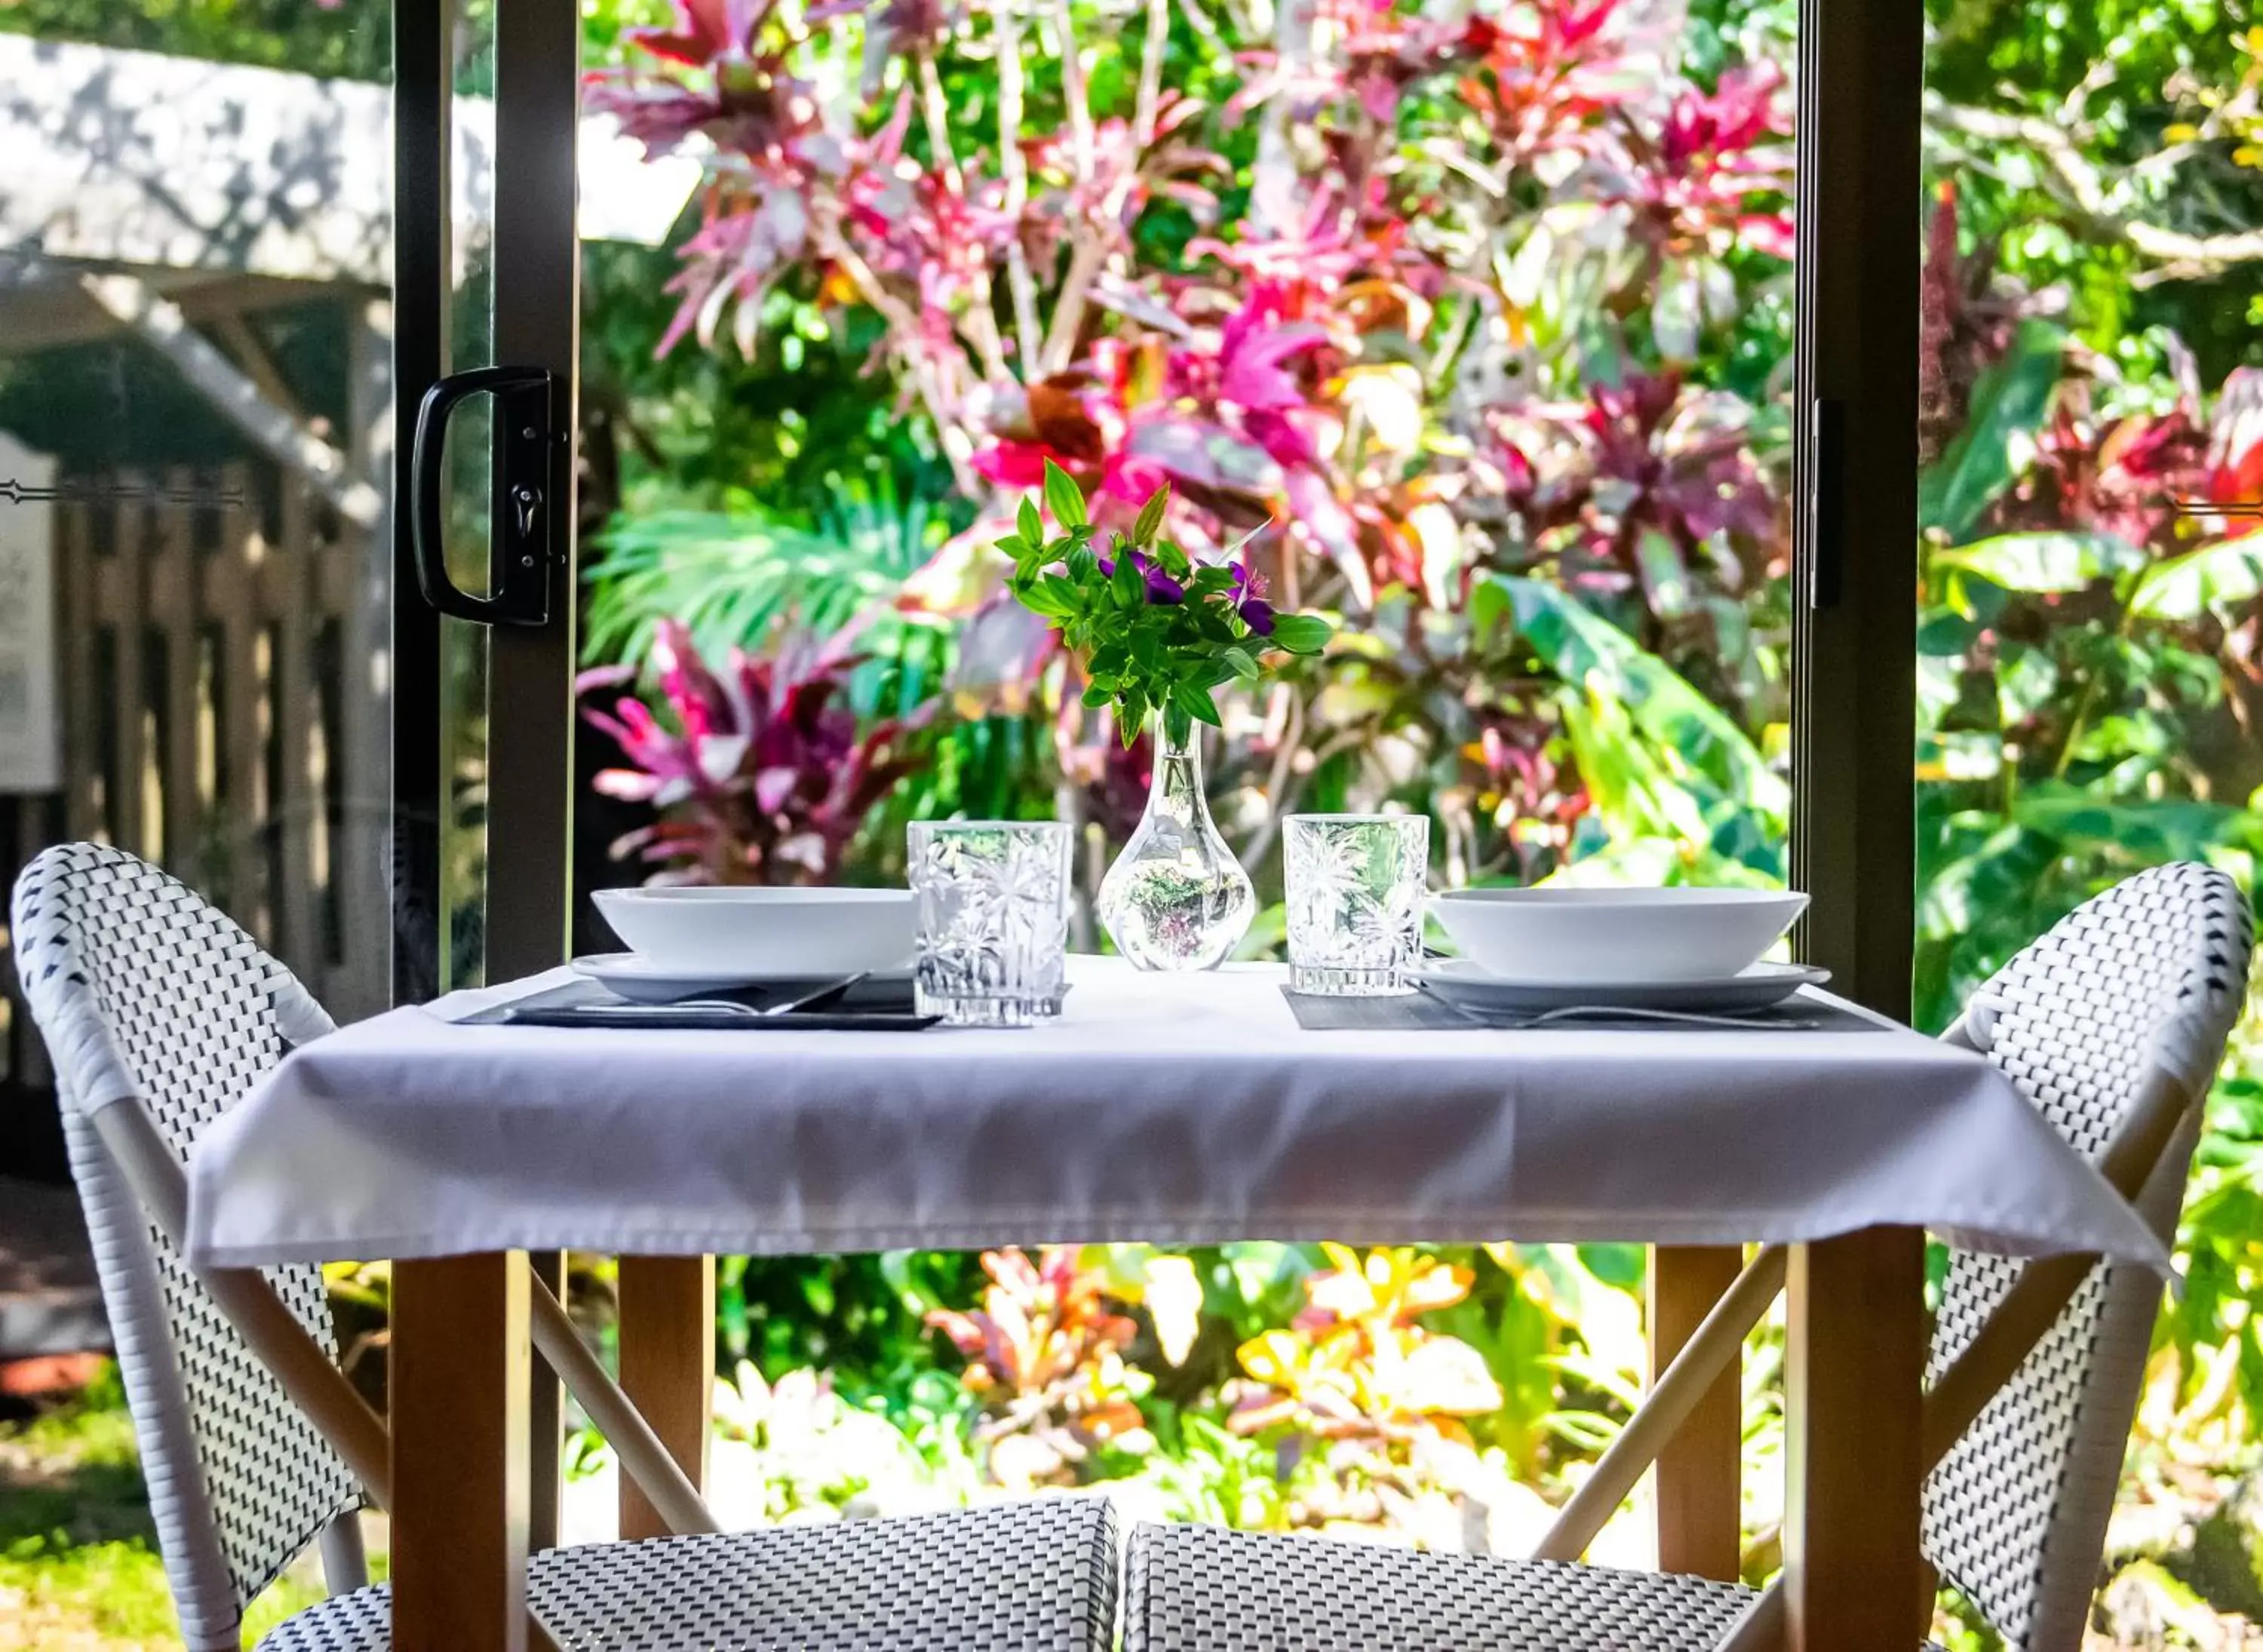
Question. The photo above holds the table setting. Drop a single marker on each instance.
(981, 939)
(978, 938)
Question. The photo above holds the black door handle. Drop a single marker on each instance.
(520, 552)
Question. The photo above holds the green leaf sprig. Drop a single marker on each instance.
(1156, 630)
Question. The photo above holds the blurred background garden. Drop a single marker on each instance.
(1475, 320)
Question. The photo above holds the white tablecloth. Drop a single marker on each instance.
(1178, 1110)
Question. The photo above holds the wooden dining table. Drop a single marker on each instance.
(1172, 1110)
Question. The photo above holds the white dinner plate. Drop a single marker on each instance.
(1462, 982)
(641, 980)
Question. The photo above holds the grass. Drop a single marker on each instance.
(79, 1571)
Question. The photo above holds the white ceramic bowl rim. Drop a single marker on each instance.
(1576, 894)
(989, 825)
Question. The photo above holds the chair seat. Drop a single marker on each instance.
(1037, 1577)
(1204, 1589)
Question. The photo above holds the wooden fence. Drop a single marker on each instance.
(220, 647)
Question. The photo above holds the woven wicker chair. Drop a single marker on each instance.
(2130, 997)
(159, 1012)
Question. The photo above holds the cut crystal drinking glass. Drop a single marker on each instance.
(1355, 885)
(993, 899)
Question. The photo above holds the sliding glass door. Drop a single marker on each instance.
(483, 610)
(486, 262)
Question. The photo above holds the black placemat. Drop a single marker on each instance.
(1418, 1011)
(866, 997)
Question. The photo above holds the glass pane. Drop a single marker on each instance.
(1482, 326)
(196, 442)
(464, 647)
(2088, 671)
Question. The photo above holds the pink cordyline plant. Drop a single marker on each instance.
(759, 773)
(1228, 377)
(1720, 171)
(2130, 475)
(1546, 77)
(1366, 362)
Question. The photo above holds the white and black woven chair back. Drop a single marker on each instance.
(2150, 975)
(144, 992)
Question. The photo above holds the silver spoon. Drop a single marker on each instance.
(1685, 1017)
(808, 1000)
(1622, 1012)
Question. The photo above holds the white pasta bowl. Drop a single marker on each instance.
(764, 931)
(1591, 936)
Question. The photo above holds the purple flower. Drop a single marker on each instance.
(1249, 599)
(1162, 590)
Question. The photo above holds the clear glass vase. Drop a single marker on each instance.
(1176, 898)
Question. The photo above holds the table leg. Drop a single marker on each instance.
(1699, 1516)
(545, 1425)
(459, 1389)
(1854, 1365)
(668, 1366)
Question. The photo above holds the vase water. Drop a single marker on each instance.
(1176, 898)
